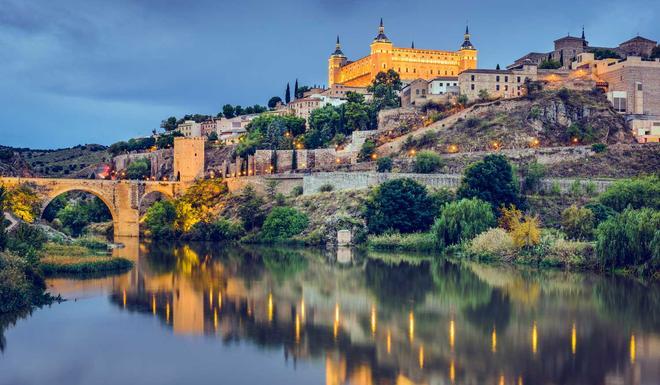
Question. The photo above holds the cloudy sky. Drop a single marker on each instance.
(98, 71)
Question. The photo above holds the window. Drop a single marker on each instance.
(506, 78)
(506, 87)
(440, 84)
(497, 87)
(423, 92)
(417, 92)
(518, 79)
(472, 77)
(619, 104)
(472, 86)
(497, 78)
(639, 86)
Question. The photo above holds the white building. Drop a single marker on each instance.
(230, 130)
(190, 129)
(443, 85)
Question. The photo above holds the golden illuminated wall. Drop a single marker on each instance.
(410, 63)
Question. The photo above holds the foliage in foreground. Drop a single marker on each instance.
(283, 223)
(403, 242)
(462, 220)
(64, 259)
(635, 193)
(21, 285)
(491, 180)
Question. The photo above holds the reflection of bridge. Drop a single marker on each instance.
(123, 198)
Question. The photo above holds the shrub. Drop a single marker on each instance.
(404, 242)
(283, 223)
(327, 187)
(401, 205)
(636, 193)
(26, 241)
(297, 191)
(490, 180)
(23, 202)
(576, 188)
(220, 230)
(250, 209)
(427, 162)
(555, 189)
(280, 199)
(384, 164)
(508, 217)
(578, 222)
(526, 233)
(367, 150)
(600, 211)
(160, 218)
(629, 239)
(589, 188)
(21, 286)
(533, 173)
(598, 147)
(138, 169)
(462, 220)
(442, 196)
(493, 243)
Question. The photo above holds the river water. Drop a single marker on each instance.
(211, 314)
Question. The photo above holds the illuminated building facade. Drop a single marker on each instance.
(410, 63)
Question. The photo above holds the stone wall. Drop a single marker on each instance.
(285, 184)
(161, 161)
(362, 180)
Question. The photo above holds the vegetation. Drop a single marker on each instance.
(159, 220)
(283, 223)
(384, 164)
(74, 213)
(21, 285)
(549, 65)
(462, 220)
(532, 175)
(400, 205)
(598, 147)
(403, 242)
(634, 193)
(604, 53)
(132, 145)
(367, 151)
(490, 180)
(326, 187)
(63, 259)
(578, 222)
(427, 162)
(23, 202)
(272, 132)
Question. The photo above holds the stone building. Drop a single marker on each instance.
(229, 130)
(190, 129)
(339, 91)
(444, 85)
(303, 107)
(210, 125)
(507, 83)
(409, 63)
(414, 93)
(567, 48)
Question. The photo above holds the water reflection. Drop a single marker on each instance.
(397, 320)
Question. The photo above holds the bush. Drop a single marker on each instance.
(636, 193)
(442, 196)
(578, 222)
(23, 202)
(400, 205)
(628, 239)
(250, 209)
(598, 147)
(297, 191)
(327, 187)
(283, 223)
(368, 149)
(493, 243)
(427, 162)
(26, 241)
(509, 216)
(21, 286)
(526, 233)
(533, 173)
(600, 211)
(139, 169)
(462, 220)
(404, 242)
(220, 230)
(160, 219)
(384, 164)
(490, 180)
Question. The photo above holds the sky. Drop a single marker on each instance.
(99, 71)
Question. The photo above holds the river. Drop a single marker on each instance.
(212, 314)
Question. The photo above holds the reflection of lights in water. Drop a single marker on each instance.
(167, 313)
(220, 300)
(494, 341)
(452, 334)
(452, 371)
(520, 381)
(302, 310)
(373, 319)
(337, 313)
(124, 298)
(210, 298)
(389, 341)
(501, 379)
(421, 357)
(534, 338)
(153, 304)
(411, 326)
(573, 339)
(270, 307)
(633, 351)
(297, 328)
(215, 319)
(335, 326)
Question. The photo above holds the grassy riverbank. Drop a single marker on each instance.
(66, 259)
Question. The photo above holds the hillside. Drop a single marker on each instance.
(548, 119)
(74, 162)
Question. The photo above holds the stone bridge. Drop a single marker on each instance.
(122, 197)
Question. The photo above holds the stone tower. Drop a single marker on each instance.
(468, 53)
(336, 61)
(188, 158)
(381, 52)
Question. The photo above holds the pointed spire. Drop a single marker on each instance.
(467, 30)
(338, 51)
(412, 45)
(583, 32)
(381, 32)
(337, 40)
(467, 44)
(381, 23)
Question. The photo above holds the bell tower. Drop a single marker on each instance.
(336, 61)
(468, 53)
(381, 52)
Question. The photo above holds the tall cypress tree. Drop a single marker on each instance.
(295, 90)
(561, 57)
(294, 160)
(287, 94)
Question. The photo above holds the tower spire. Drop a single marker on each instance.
(467, 44)
(381, 32)
(412, 45)
(338, 51)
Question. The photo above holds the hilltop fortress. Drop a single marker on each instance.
(410, 63)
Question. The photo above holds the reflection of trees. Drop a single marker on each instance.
(9, 319)
(458, 284)
(283, 263)
(494, 313)
(629, 303)
(398, 283)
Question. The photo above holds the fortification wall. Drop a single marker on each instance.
(285, 184)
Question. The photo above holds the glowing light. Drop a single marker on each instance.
(215, 319)
(167, 312)
(574, 140)
(421, 357)
(633, 350)
(373, 320)
(302, 309)
(297, 328)
(495, 146)
(374, 156)
(153, 304)
(453, 148)
(535, 142)
(520, 381)
(534, 338)
(501, 379)
(210, 298)
(452, 371)
(389, 341)
(124, 298)
(270, 308)
(573, 339)
(337, 160)
(337, 313)
(494, 341)
(452, 334)
(411, 326)
(219, 300)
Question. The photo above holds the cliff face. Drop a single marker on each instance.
(13, 164)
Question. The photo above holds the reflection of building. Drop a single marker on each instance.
(409, 63)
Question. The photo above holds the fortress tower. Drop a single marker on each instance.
(411, 63)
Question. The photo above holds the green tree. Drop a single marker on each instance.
(549, 65)
(427, 162)
(3, 231)
(628, 239)
(251, 208)
(283, 223)
(655, 53)
(384, 89)
(401, 205)
(462, 220)
(272, 102)
(295, 90)
(228, 111)
(138, 169)
(324, 124)
(74, 218)
(635, 193)
(287, 94)
(578, 222)
(462, 100)
(384, 164)
(213, 136)
(484, 95)
(532, 175)
(367, 151)
(160, 219)
(491, 180)
(169, 124)
(356, 113)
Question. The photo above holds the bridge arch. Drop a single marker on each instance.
(51, 195)
(151, 197)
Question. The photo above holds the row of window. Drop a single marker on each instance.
(497, 78)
